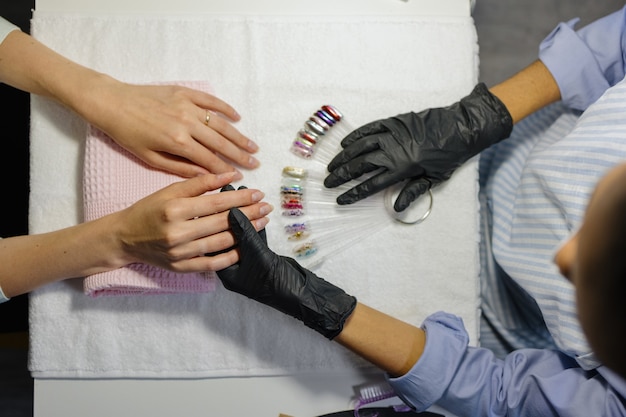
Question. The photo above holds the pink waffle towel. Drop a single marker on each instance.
(113, 180)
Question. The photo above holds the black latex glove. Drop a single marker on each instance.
(423, 147)
(229, 187)
(283, 284)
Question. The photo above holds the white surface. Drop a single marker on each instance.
(295, 396)
(317, 394)
(301, 7)
(300, 396)
(429, 267)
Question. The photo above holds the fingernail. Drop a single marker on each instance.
(266, 209)
(252, 147)
(257, 196)
(226, 175)
(230, 175)
(262, 222)
(253, 162)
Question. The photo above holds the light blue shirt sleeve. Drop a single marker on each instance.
(6, 27)
(585, 63)
(469, 381)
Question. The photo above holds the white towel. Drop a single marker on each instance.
(275, 70)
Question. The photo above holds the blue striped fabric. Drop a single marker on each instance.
(534, 190)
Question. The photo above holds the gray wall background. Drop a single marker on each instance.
(509, 31)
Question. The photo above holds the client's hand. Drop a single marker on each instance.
(281, 283)
(173, 128)
(423, 147)
(175, 227)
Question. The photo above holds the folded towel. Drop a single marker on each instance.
(114, 179)
(275, 70)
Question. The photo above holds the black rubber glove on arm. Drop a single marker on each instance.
(423, 147)
(283, 284)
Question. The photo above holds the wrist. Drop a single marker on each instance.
(90, 96)
(489, 119)
(322, 306)
(113, 241)
(337, 307)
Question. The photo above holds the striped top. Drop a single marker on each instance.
(534, 190)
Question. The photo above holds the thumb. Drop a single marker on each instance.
(240, 225)
(410, 192)
(251, 243)
(255, 258)
(261, 232)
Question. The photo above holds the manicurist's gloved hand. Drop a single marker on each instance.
(281, 283)
(423, 147)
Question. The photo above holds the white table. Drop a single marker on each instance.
(377, 7)
(297, 395)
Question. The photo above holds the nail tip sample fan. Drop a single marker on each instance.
(315, 226)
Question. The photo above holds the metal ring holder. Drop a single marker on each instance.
(411, 215)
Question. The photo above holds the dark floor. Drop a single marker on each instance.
(16, 385)
(509, 32)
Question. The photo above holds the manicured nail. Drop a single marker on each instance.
(230, 175)
(226, 175)
(257, 196)
(252, 147)
(266, 209)
(262, 222)
(253, 162)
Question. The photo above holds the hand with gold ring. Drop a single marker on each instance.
(166, 126)
(173, 128)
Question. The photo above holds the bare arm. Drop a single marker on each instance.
(163, 125)
(528, 91)
(391, 344)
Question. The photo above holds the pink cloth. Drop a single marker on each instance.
(113, 179)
